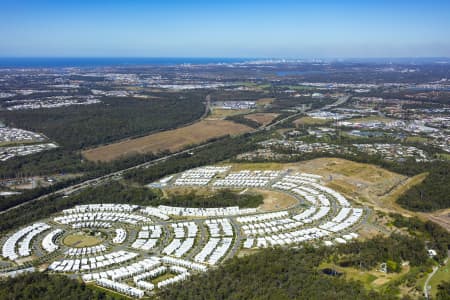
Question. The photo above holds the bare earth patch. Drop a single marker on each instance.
(171, 140)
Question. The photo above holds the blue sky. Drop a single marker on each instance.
(282, 28)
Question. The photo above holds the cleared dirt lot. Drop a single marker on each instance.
(262, 118)
(171, 140)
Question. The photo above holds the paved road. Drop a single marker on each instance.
(340, 101)
(237, 239)
(201, 240)
(425, 286)
(118, 174)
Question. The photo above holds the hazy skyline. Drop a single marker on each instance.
(291, 29)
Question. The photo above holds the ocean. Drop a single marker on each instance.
(65, 62)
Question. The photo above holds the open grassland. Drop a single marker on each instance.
(220, 113)
(310, 121)
(171, 140)
(276, 200)
(364, 184)
(359, 182)
(370, 185)
(356, 180)
(262, 118)
(375, 279)
(389, 201)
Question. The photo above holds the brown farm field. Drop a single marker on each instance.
(171, 140)
(262, 118)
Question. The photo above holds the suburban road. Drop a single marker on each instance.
(118, 174)
(425, 286)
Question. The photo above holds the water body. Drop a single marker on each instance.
(80, 62)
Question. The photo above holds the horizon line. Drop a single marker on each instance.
(233, 57)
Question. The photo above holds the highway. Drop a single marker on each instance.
(111, 176)
(118, 174)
